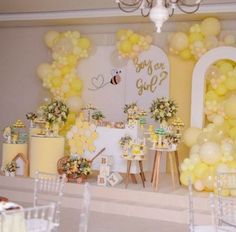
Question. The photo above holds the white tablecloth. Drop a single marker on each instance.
(11, 222)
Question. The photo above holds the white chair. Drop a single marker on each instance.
(226, 213)
(192, 226)
(215, 208)
(37, 219)
(84, 215)
(49, 188)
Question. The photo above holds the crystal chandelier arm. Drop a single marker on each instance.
(183, 6)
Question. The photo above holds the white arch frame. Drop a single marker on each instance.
(198, 81)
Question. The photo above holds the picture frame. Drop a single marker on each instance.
(22, 164)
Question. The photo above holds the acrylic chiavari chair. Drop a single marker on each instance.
(36, 219)
(226, 202)
(192, 224)
(84, 215)
(49, 188)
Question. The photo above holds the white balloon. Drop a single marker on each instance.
(194, 149)
(69, 135)
(74, 103)
(210, 153)
(198, 185)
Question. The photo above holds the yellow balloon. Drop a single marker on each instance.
(230, 83)
(232, 122)
(44, 70)
(232, 133)
(190, 136)
(71, 117)
(84, 43)
(233, 193)
(94, 135)
(208, 179)
(65, 70)
(221, 90)
(230, 107)
(134, 39)
(226, 67)
(56, 82)
(210, 26)
(195, 37)
(222, 192)
(126, 46)
(211, 95)
(232, 164)
(120, 33)
(76, 84)
(186, 176)
(71, 60)
(186, 54)
(50, 38)
(229, 40)
(179, 41)
(200, 169)
(91, 148)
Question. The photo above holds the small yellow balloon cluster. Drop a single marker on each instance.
(61, 77)
(199, 39)
(81, 136)
(130, 44)
(213, 147)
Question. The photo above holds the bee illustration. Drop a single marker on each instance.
(116, 78)
(98, 82)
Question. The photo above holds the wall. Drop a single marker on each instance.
(22, 50)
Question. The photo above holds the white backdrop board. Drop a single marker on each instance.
(140, 81)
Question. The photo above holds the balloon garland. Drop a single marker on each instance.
(60, 77)
(130, 44)
(213, 148)
(199, 39)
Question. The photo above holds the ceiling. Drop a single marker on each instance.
(61, 12)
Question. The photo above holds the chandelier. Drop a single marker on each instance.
(161, 11)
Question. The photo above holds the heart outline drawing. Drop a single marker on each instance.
(97, 82)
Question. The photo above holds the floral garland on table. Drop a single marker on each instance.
(163, 109)
(55, 112)
(76, 167)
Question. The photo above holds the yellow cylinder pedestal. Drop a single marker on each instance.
(44, 154)
(9, 152)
